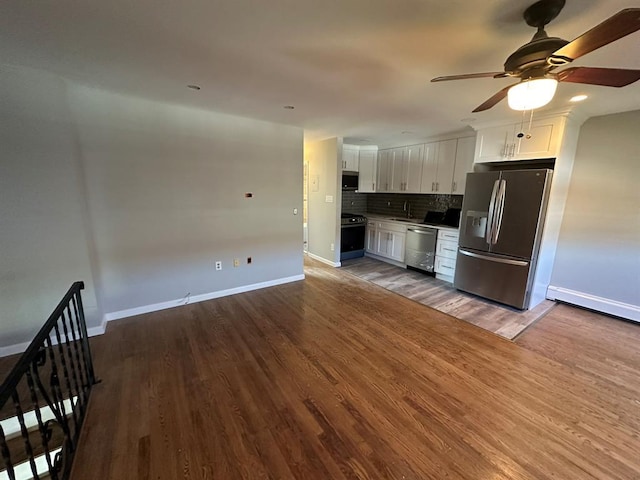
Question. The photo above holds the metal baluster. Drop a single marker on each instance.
(76, 330)
(84, 377)
(57, 402)
(67, 377)
(74, 369)
(44, 431)
(25, 433)
(6, 455)
(77, 304)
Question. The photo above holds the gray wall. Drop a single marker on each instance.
(324, 158)
(44, 242)
(138, 199)
(599, 248)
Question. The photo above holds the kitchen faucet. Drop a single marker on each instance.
(407, 208)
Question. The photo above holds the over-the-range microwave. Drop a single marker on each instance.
(349, 181)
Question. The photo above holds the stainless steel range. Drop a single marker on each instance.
(352, 235)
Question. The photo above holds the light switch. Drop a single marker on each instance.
(295, 211)
(328, 199)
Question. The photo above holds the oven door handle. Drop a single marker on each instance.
(351, 225)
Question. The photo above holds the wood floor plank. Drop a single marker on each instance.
(503, 320)
(337, 378)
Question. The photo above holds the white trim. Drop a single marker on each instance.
(593, 302)
(323, 260)
(199, 298)
(13, 349)
(21, 347)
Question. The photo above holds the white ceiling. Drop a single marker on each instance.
(353, 68)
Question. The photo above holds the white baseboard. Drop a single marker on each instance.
(99, 330)
(199, 298)
(21, 347)
(593, 302)
(324, 260)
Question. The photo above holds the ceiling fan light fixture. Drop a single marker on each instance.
(532, 93)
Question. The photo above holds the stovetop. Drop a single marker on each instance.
(352, 218)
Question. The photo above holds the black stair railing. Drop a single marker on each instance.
(44, 399)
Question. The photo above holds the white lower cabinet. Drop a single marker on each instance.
(446, 253)
(386, 239)
(370, 245)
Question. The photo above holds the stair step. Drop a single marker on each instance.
(11, 426)
(23, 470)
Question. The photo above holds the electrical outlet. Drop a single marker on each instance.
(332, 247)
(218, 265)
(236, 262)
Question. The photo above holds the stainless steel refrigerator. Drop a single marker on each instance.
(501, 225)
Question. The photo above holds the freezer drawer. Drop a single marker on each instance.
(502, 279)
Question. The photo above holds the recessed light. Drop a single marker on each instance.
(578, 98)
(288, 107)
(194, 87)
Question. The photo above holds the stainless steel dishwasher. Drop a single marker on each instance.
(420, 249)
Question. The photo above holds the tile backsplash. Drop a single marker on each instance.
(353, 202)
(392, 204)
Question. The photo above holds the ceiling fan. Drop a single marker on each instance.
(534, 62)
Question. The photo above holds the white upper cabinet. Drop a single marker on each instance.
(439, 164)
(411, 171)
(446, 163)
(464, 164)
(397, 169)
(516, 141)
(429, 168)
(367, 162)
(385, 165)
(349, 158)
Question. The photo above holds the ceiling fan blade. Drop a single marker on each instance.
(621, 24)
(493, 100)
(607, 77)
(469, 75)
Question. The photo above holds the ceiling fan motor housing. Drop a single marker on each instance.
(533, 55)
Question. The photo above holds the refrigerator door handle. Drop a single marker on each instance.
(499, 210)
(519, 263)
(488, 236)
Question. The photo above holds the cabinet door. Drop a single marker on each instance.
(541, 141)
(398, 169)
(349, 159)
(384, 173)
(445, 266)
(464, 164)
(382, 242)
(395, 248)
(446, 161)
(367, 171)
(494, 144)
(414, 158)
(370, 245)
(429, 168)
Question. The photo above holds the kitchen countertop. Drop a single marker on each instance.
(409, 222)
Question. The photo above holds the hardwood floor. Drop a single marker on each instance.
(500, 319)
(336, 378)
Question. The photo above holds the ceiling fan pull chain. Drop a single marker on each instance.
(530, 123)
